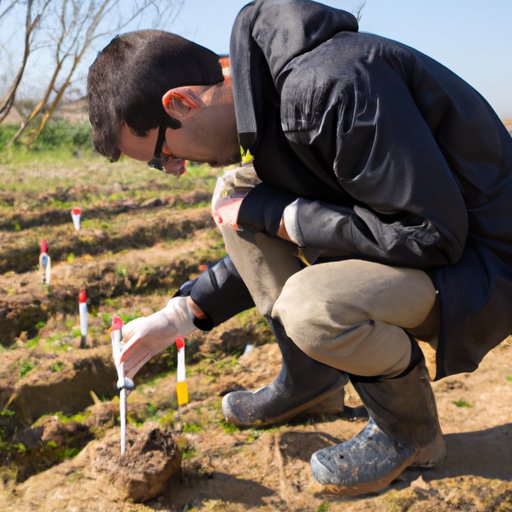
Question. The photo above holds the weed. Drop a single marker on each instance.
(57, 366)
(229, 427)
(19, 447)
(191, 428)
(121, 271)
(189, 452)
(26, 367)
(462, 403)
(40, 325)
(33, 342)
(127, 317)
(68, 453)
(253, 435)
(509, 378)
(323, 507)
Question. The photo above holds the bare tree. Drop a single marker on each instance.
(31, 23)
(6, 8)
(75, 25)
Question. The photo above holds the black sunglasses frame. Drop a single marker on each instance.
(159, 158)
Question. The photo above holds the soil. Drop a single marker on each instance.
(59, 425)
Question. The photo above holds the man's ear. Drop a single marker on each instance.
(179, 101)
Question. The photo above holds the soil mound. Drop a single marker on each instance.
(151, 460)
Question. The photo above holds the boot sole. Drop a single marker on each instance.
(314, 406)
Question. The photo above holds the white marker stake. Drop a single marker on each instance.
(45, 263)
(82, 308)
(123, 383)
(75, 215)
(181, 381)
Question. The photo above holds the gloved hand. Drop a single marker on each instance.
(147, 336)
(230, 191)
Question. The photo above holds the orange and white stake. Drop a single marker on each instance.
(123, 383)
(82, 309)
(45, 263)
(181, 381)
(75, 215)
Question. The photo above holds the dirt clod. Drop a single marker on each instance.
(151, 460)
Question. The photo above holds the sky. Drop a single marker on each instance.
(471, 37)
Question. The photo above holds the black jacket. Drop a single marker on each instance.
(387, 156)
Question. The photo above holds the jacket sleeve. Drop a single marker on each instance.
(220, 293)
(407, 206)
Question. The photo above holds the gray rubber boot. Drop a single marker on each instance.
(403, 431)
(303, 385)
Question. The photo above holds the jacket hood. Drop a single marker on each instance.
(276, 31)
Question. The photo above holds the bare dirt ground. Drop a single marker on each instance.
(266, 470)
(59, 428)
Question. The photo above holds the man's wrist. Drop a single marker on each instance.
(195, 309)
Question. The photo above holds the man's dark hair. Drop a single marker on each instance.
(130, 75)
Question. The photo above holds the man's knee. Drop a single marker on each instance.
(305, 312)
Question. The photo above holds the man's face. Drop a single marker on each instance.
(143, 149)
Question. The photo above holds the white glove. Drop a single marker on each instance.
(230, 191)
(147, 336)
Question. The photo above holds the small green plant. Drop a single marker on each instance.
(26, 367)
(7, 412)
(191, 428)
(19, 447)
(128, 317)
(57, 366)
(323, 507)
(229, 427)
(462, 403)
(68, 453)
(121, 271)
(188, 452)
(70, 258)
(33, 342)
(509, 378)
(40, 325)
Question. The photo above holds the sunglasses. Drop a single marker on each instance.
(159, 157)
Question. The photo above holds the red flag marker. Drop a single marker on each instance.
(82, 308)
(75, 215)
(45, 263)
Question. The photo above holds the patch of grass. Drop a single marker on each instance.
(462, 403)
(191, 427)
(323, 507)
(33, 342)
(509, 378)
(253, 435)
(229, 427)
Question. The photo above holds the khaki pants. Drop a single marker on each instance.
(353, 315)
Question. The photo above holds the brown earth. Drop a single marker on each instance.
(59, 430)
(266, 470)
